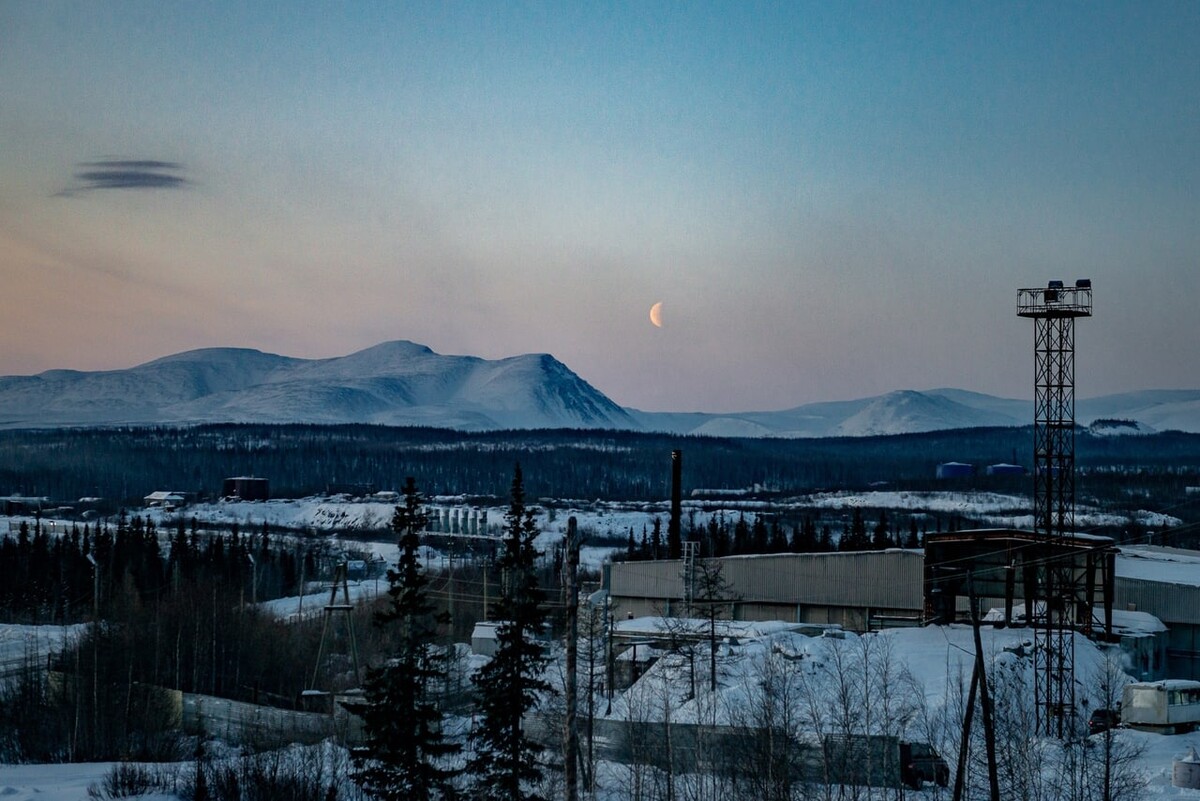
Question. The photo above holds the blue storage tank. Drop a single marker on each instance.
(955, 470)
(1005, 470)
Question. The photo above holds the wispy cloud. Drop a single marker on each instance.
(126, 174)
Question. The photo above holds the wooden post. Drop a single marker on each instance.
(985, 699)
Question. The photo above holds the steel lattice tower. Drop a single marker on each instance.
(1050, 606)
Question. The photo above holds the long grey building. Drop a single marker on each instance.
(869, 590)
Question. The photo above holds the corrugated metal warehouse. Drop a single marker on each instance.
(869, 590)
(849, 589)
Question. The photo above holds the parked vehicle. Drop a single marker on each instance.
(1103, 720)
(920, 764)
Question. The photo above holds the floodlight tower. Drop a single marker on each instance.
(1050, 606)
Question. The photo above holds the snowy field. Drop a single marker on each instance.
(610, 519)
(56, 782)
(22, 644)
(933, 659)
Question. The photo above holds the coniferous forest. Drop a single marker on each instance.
(123, 465)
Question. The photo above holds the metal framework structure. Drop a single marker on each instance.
(346, 609)
(690, 549)
(1053, 606)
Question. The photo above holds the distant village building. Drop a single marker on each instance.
(164, 499)
(350, 489)
(246, 488)
(23, 504)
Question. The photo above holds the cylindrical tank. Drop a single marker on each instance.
(955, 470)
(1186, 771)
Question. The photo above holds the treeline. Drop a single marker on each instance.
(105, 571)
(768, 534)
(176, 612)
(124, 465)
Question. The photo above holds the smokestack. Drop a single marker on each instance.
(675, 526)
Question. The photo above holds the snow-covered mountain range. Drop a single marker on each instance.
(395, 383)
(403, 383)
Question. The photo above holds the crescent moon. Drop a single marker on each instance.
(656, 314)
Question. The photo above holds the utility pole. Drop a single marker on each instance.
(253, 580)
(608, 650)
(571, 734)
(985, 699)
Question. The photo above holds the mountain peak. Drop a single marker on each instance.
(398, 347)
(394, 383)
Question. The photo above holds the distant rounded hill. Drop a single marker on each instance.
(403, 383)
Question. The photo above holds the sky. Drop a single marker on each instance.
(831, 200)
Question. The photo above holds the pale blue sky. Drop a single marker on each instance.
(831, 200)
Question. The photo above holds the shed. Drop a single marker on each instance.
(483, 639)
(165, 499)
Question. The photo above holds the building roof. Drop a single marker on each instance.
(163, 495)
(1158, 564)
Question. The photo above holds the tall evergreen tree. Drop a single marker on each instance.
(759, 536)
(880, 537)
(779, 540)
(914, 540)
(504, 765)
(656, 541)
(405, 753)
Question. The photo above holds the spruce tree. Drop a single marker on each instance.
(405, 756)
(504, 764)
(881, 538)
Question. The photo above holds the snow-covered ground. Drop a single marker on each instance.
(312, 604)
(934, 659)
(993, 509)
(19, 644)
(615, 519)
(56, 782)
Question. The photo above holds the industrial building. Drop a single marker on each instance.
(246, 488)
(870, 590)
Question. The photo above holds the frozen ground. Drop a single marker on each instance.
(56, 782)
(19, 644)
(935, 656)
(612, 519)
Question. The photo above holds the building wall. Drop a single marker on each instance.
(872, 589)
(846, 589)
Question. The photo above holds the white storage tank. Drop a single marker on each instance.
(1186, 771)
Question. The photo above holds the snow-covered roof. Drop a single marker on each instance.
(484, 630)
(1125, 623)
(1170, 684)
(738, 629)
(1155, 563)
(163, 495)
